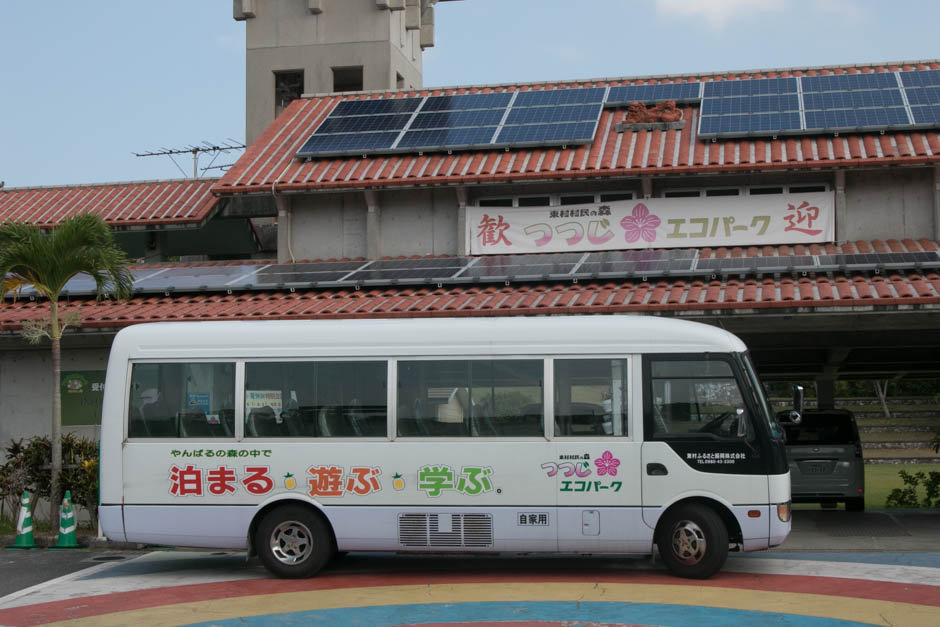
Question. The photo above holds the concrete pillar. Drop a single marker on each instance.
(461, 220)
(825, 392)
(647, 182)
(284, 245)
(842, 217)
(373, 225)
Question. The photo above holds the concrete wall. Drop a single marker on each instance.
(884, 204)
(288, 35)
(26, 389)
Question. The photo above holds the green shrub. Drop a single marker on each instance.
(908, 496)
(28, 469)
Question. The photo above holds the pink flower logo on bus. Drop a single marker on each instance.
(607, 464)
(641, 224)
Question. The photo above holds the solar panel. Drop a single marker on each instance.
(542, 115)
(848, 82)
(856, 119)
(376, 106)
(447, 138)
(750, 87)
(363, 124)
(926, 115)
(347, 143)
(680, 92)
(750, 104)
(452, 119)
(853, 99)
(923, 95)
(748, 124)
(548, 97)
(467, 101)
(568, 132)
(920, 78)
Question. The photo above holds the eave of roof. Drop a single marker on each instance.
(137, 204)
(269, 163)
(831, 292)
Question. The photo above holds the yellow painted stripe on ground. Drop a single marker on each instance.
(846, 608)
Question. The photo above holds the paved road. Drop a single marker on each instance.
(835, 569)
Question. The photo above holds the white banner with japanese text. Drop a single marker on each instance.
(654, 223)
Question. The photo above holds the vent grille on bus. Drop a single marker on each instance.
(430, 530)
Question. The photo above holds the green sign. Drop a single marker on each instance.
(82, 395)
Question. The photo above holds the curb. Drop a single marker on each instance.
(84, 542)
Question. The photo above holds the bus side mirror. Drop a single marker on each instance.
(795, 415)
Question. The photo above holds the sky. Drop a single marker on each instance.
(85, 85)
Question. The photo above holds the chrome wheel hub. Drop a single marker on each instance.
(291, 542)
(688, 542)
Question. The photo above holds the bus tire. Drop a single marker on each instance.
(692, 541)
(293, 542)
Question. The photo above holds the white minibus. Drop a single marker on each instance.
(299, 439)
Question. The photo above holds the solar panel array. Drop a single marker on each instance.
(577, 266)
(458, 122)
(731, 108)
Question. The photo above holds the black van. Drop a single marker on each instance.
(825, 456)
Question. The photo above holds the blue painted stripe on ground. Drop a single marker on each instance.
(609, 612)
(930, 560)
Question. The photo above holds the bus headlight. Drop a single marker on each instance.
(783, 511)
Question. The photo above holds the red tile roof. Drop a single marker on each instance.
(270, 159)
(836, 292)
(147, 203)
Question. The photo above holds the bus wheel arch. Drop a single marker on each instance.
(292, 537)
(692, 536)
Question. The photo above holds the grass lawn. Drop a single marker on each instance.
(880, 479)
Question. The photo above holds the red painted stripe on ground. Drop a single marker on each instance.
(155, 597)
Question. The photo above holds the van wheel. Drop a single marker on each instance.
(693, 541)
(293, 542)
(855, 505)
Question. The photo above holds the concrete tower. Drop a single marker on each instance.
(295, 47)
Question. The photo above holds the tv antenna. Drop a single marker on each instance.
(195, 151)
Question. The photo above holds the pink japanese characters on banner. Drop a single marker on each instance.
(653, 223)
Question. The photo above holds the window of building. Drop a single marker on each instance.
(399, 81)
(583, 199)
(288, 86)
(182, 400)
(470, 398)
(764, 191)
(347, 78)
(495, 202)
(534, 201)
(682, 193)
(345, 399)
(723, 191)
(806, 189)
(616, 196)
(591, 397)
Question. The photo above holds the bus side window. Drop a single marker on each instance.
(188, 400)
(470, 398)
(591, 397)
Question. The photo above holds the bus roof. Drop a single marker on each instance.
(615, 334)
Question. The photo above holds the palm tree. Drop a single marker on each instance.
(46, 260)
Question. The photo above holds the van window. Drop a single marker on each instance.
(591, 397)
(186, 400)
(470, 398)
(345, 399)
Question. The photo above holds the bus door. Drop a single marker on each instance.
(699, 435)
(596, 460)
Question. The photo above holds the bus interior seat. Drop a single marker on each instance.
(263, 423)
(333, 423)
(161, 421)
(301, 422)
(194, 424)
(370, 420)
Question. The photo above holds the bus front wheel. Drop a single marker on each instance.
(293, 542)
(692, 541)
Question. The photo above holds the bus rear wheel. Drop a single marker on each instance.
(692, 541)
(293, 542)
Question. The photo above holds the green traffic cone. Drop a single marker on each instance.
(66, 538)
(24, 526)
